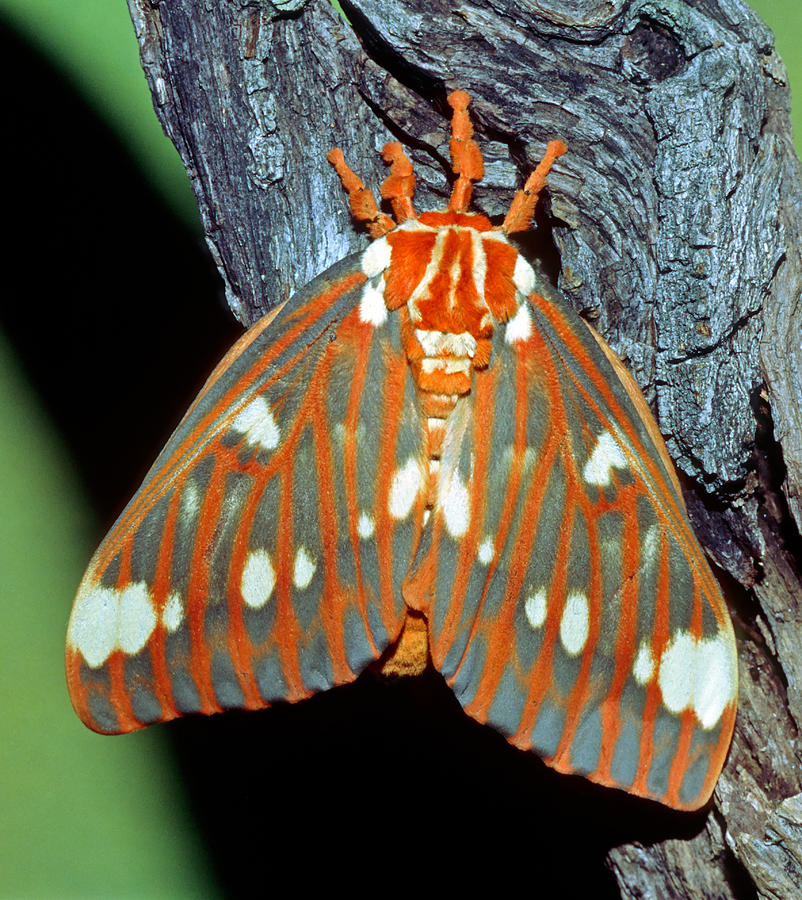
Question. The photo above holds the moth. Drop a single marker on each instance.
(423, 457)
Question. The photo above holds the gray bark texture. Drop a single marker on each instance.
(676, 220)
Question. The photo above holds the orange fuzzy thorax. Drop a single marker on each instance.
(456, 274)
(455, 283)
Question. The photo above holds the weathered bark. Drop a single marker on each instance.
(676, 218)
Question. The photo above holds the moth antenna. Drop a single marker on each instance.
(363, 203)
(399, 186)
(522, 208)
(466, 157)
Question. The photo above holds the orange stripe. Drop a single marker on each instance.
(240, 646)
(332, 600)
(540, 675)
(653, 694)
(673, 516)
(287, 631)
(161, 587)
(79, 694)
(361, 353)
(625, 644)
(393, 404)
(688, 720)
(718, 756)
(198, 589)
(483, 414)
(679, 765)
(118, 695)
(501, 631)
(619, 416)
(183, 456)
(577, 698)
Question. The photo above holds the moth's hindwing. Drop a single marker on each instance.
(571, 606)
(262, 558)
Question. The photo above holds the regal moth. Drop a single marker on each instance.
(423, 457)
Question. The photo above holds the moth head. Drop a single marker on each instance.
(454, 269)
(466, 163)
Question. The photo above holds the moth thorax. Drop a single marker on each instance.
(456, 283)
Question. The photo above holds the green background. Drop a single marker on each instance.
(81, 815)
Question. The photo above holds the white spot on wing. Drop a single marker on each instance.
(93, 623)
(404, 488)
(676, 673)
(643, 667)
(137, 618)
(535, 608)
(376, 258)
(523, 276)
(716, 682)
(190, 501)
(365, 526)
(606, 456)
(519, 328)
(486, 551)
(455, 501)
(304, 569)
(257, 424)
(651, 542)
(574, 623)
(702, 675)
(372, 308)
(173, 612)
(258, 579)
(105, 619)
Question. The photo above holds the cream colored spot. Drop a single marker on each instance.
(304, 569)
(190, 501)
(676, 675)
(439, 343)
(519, 328)
(455, 502)
(479, 270)
(104, 620)
(574, 623)
(173, 612)
(137, 618)
(448, 365)
(257, 424)
(486, 551)
(404, 488)
(535, 608)
(377, 257)
(372, 308)
(523, 276)
(365, 526)
(651, 542)
(716, 682)
(93, 623)
(258, 579)
(643, 668)
(607, 455)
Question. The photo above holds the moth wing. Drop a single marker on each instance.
(262, 556)
(569, 604)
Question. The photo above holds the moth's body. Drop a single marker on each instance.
(457, 279)
(423, 454)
